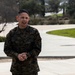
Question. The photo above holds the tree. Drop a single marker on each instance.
(71, 8)
(63, 6)
(3, 27)
(43, 7)
(33, 6)
(54, 5)
(8, 10)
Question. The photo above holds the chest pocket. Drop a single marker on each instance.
(23, 42)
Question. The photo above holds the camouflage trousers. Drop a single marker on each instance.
(34, 73)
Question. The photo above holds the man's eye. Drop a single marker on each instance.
(22, 17)
(26, 17)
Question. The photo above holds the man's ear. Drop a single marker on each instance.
(17, 17)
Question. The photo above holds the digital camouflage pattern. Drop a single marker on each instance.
(34, 73)
(23, 40)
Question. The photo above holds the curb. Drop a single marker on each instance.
(47, 57)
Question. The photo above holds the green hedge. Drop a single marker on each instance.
(2, 39)
(72, 21)
(50, 21)
(34, 21)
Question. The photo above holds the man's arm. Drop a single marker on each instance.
(8, 46)
(36, 46)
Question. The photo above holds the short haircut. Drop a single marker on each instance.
(23, 10)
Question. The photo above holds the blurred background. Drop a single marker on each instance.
(42, 12)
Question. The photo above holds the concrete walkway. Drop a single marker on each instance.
(53, 45)
(49, 67)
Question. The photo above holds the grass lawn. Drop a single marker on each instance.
(64, 32)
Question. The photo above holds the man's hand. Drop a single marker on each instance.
(22, 56)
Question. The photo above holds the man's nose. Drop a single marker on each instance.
(24, 19)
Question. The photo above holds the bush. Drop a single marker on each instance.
(34, 21)
(2, 39)
(61, 22)
(49, 21)
(66, 18)
(52, 22)
(72, 21)
(50, 18)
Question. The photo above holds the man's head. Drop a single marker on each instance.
(23, 10)
(23, 18)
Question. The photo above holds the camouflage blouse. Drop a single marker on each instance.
(23, 40)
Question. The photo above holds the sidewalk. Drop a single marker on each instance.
(49, 67)
(53, 45)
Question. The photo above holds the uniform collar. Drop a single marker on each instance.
(25, 29)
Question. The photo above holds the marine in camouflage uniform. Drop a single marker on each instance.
(23, 40)
(23, 45)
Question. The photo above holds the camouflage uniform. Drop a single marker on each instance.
(19, 41)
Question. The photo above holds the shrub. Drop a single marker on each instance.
(61, 22)
(34, 21)
(72, 21)
(52, 22)
(50, 18)
(2, 39)
(66, 18)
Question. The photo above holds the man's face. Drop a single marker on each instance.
(23, 19)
